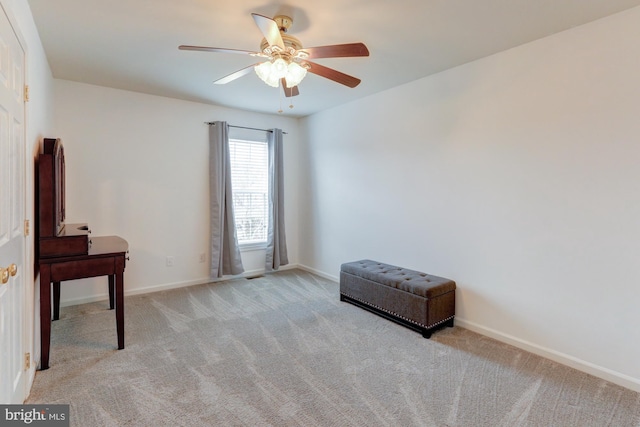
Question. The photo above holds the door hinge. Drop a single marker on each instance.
(26, 93)
(27, 361)
(26, 227)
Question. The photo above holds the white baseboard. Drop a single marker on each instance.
(168, 286)
(564, 359)
(319, 273)
(136, 291)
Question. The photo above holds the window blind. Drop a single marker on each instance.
(249, 180)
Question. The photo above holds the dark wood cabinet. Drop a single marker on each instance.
(73, 239)
(66, 252)
(51, 188)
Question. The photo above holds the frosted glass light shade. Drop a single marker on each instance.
(279, 68)
(264, 71)
(295, 74)
(272, 72)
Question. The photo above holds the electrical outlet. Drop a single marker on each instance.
(170, 260)
(202, 257)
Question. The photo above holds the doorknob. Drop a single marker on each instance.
(6, 272)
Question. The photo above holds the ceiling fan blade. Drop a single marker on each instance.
(334, 75)
(231, 77)
(269, 29)
(336, 51)
(289, 91)
(221, 50)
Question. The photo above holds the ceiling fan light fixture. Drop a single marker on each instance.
(266, 74)
(279, 68)
(272, 72)
(295, 74)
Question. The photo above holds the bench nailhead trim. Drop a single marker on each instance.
(396, 314)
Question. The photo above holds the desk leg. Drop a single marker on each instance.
(56, 300)
(111, 290)
(45, 314)
(119, 276)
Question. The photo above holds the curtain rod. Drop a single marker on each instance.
(244, 127)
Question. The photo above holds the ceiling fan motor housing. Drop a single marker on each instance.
(289, 42)
(284, 23)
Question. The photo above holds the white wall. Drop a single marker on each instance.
(137, 166)
(516, 175)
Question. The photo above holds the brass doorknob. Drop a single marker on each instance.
(4, 275)
(13, 269)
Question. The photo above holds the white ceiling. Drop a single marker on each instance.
(133, 44)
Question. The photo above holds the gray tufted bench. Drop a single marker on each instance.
(417, 300)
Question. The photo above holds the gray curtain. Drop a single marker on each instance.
(225, 253)
(276, 240)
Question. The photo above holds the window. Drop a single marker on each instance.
(249, 179)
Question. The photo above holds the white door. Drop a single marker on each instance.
(12, 203)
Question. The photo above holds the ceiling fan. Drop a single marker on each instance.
(287, 62)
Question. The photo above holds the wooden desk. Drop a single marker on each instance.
(106, 257)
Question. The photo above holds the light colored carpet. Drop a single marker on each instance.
(282, 350)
